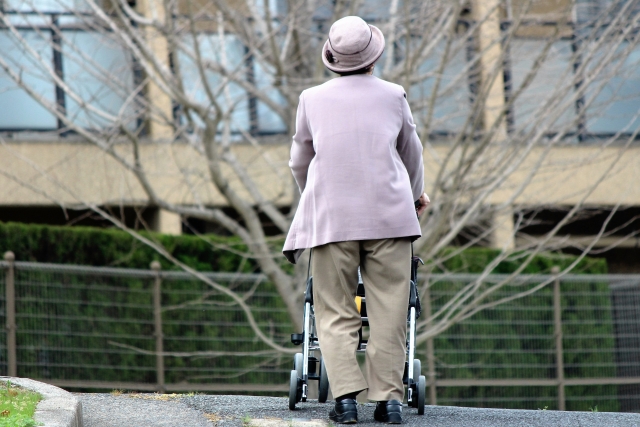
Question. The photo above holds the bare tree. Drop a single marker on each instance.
(494, 89)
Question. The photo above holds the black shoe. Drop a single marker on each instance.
(389, 412)
(345, 412)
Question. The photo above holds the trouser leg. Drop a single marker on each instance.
(385, 268)
(335, 281)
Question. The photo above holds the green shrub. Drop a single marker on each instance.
(474, 260)
(111, 247)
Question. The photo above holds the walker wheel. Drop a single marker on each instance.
(323, 383)
(417, 368)
(295, 390)
(421, 390)
(297, 364)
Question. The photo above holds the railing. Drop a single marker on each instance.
(574, 344)
(608, 307)
(49, 297)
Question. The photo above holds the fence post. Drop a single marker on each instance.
(431, 366)
(557, 326)
(157, 321)
(10, 301)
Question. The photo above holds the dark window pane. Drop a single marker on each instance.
(268, 120)
(100, 73)
(613, 99)
(375, 10)
(227, 95)
(19, 109)
(451, 106)
(552, 82)
(588, 11)
(47, 5)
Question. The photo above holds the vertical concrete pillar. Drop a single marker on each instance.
(159, 124)
(161, 107)
(491, 76)
(503, 235)
(167, 222)
(490, 49)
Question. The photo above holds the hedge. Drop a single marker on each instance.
(474, 260)
(112, 247)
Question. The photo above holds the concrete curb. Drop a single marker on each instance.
(58, 408)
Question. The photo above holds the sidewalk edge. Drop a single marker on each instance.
(58, 408)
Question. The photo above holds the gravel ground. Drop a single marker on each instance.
(232, 409)
(105, 410)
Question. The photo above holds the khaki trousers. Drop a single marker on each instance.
(385, 267)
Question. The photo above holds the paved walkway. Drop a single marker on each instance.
(105, 410)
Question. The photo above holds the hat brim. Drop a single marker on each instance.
(377, 44)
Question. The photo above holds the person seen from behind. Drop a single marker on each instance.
(357, 160)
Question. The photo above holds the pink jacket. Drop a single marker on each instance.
(357, 160)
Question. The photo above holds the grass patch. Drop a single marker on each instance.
(17, 406)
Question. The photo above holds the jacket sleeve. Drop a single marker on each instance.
(302, 151)
(410, 149)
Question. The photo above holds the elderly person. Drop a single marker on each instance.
(357, 160)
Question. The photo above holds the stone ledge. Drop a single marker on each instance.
(58, 408)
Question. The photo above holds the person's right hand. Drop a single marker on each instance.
(424, 203)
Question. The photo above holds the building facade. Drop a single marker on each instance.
(85, 107)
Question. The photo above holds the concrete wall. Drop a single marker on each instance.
(48, 173)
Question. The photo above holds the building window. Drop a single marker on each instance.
(613, 100)
(56, 41)
(20, 110)
(549, 89)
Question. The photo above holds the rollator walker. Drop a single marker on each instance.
(307, 367)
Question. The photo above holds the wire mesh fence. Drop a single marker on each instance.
(84, 327)
(574, 344)
(556, 348)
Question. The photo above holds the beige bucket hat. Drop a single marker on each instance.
(352, 45)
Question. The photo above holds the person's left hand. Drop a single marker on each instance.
(424, 203)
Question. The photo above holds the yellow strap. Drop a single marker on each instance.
(359, 303)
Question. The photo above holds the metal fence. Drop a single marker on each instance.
(90, 327)
(573, 345)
